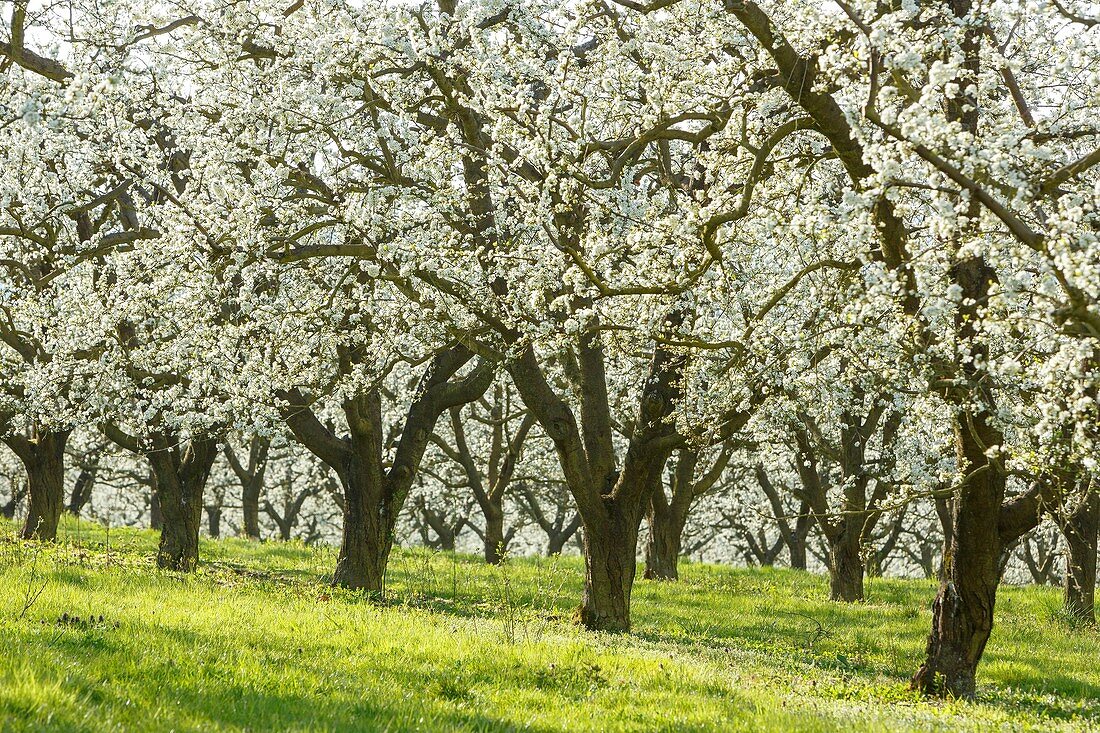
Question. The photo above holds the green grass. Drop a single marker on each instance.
(256, 641)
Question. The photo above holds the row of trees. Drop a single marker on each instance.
(735, 512)
(846, 252)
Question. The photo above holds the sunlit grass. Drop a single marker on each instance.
(257, 641)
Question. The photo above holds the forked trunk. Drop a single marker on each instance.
(555, 541)
(845, 570)
(1080, 531)
(181, 476)
(610, 563)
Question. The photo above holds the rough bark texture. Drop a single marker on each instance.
(611, 501)
(366, 543)
(610, 552)
(43, 456)
(182, 472)
(663, 544)
(845, 569)
(1080, 530)
(962, 615)
(156, 518)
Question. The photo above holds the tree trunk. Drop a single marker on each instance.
(214, 521)
(181, 515)
(43, 457)
(610, 563)
(845, 569)
(156, 518)
(494, 536)
(1080, 531)
(555, 540)
(662, 550)
(181, 475)
(83, 486)
(962, 615)
(250, 508)
(797, 545)
(365, 548)
(945, 513)
(18, 491)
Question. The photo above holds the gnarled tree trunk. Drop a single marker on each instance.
(43, 457)
(610, 563)
(366, 542)
(373, 496)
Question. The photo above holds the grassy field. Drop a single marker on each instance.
(93, 638)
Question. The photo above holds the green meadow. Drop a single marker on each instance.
(94, 638)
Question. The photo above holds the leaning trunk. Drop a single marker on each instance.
(962, 615)
(45, 465)
(610, 563)
(1080, 531)
(662, 550)
(845, 569)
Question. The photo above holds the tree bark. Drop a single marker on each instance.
(366, 543)
(214, 521)
(251, 477)
(1080, 530)
(962, 615)
(663, 545)
(556, 539)
(845, 569)
(43, 457)
(796, 544)
(181, 473)
(156, 518)
(250, 509)
(495, 543)
(82, 488)
(610, 554)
